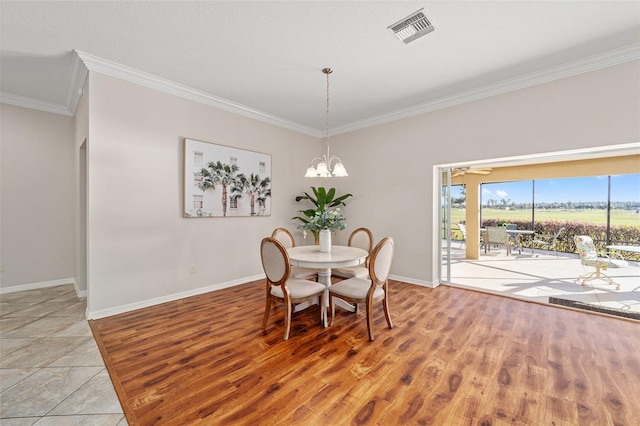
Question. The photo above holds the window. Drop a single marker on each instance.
(197, 180)
(197, 201)
(605, 207)
(233, 203)
(198, 157)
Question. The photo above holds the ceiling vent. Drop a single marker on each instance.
(412, 27)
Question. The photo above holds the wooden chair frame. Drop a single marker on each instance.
(282, 281)
(296, 271)
(344, 272)
(375, 282)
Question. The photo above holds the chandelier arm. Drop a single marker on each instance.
(332, 159)
(319, 159)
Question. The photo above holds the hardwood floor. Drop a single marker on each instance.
(454, 357)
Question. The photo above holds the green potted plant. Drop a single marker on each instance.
(322, 199)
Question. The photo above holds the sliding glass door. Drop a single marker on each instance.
(444, 272)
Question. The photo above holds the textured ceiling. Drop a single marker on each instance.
(267, 56)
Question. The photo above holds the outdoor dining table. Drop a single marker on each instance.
(339, 257)
(517, 234)
(631, 249)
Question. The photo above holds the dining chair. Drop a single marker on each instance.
(368, 290)
(497, 235)
(286, 239)
(548, 241)
(281, 287)
(590, 257)
(361, 238)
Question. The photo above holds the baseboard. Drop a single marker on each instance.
(413, 281)
(101, 313)
(43, 284)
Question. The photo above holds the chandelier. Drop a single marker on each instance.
(324, 167)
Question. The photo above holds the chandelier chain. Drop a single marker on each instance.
(327, 165)
(327, 73)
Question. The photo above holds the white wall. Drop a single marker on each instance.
(37, 186)
(392, 164)
(140, 247)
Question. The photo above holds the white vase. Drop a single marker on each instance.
(325, 241)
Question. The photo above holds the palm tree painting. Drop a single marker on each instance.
(217, 173)
(223, 181)
(257, 188)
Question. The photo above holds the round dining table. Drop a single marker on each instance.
(338, 257)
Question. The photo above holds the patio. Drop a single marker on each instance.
(542, 275)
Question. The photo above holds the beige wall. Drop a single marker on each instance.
(140, 247)
(37, 229)
(392, 164)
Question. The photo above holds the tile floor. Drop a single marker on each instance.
(541, 275)
(51, 371)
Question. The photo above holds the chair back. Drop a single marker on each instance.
(463, 230)
(380, 262)
(275, 261)
(559, 233)
(586, 247)
(497, 235)
(361, 238)
(284, 237)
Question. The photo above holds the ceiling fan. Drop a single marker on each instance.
(460, 171)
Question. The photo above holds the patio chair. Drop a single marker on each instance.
(548, 241)
(463, 230)
(590, 257)
(496, 235)
(513, 239)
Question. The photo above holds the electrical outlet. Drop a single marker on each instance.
(192, 268)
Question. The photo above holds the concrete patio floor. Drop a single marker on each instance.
(538, 276)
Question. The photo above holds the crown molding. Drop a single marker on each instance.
(113, 69)
(84, 62)
(37, 104)
(591, 63)
(77, 78)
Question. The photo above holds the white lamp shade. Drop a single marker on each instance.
(321, 169)
(339, 170)
(311, 172)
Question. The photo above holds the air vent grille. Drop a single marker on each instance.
(412, 27)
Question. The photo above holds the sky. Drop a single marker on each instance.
(585, 189)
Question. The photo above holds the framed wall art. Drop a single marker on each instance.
(223, 181)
